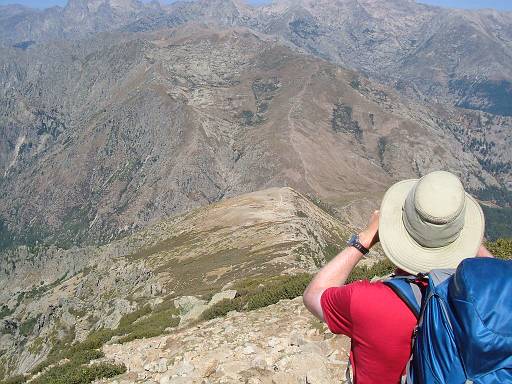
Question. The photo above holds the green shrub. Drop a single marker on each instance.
(222, 308)
(260, 292)
(18, 379)
(59, 349)
(501, 248)
(27, 326)
(381, 268)
(128, 319)
(290, 288)
(85, 356)
(498, 222)
(5, 311)
(331, 251)
(73, 373)
(150, 326)
(94, 340)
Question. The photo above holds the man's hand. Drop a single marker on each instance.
(370, 236)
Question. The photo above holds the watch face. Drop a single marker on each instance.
(352, 240)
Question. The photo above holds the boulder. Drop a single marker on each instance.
(186, 303)
(218, 297)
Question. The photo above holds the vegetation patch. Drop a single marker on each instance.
(72, 373)
(305, 27)
(68, 361)
(381, 268)
(250, 118)
(36, 346)
(152, 325)
(342, 121)
(495, 95)
(498, 222)
(501, 248)
(261, 292)
(330, 251)
(18, 379)
(27, 326)
(5, 311)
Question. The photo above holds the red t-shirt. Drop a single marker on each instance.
(380, 325)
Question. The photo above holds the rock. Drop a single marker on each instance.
(318, 376)
(162, 365)
(247, 347)
(248, 350)
(218, 297)
(121, 308)
(193, 314)
(274, 342)
(295, 339)
(159, 366)
(259, 362)
(176, 380)
(186, 303)
(185, 367)
(210, 369)
(155, 302)
(284, 378)
(313, 348)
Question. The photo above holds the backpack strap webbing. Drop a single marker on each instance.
(408, 291)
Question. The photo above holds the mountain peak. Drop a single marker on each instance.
(94, 5)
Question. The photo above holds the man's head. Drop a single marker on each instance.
(430, 223)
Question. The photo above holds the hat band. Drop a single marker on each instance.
(428, 234)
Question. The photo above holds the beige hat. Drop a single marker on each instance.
(430, 223)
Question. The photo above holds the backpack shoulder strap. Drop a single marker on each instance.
(438, 276)
(406, 288)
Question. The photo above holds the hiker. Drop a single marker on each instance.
(422, 225)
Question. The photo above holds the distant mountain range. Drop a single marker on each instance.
(119, 113)
(436, 54)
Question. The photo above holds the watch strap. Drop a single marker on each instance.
(354, 242)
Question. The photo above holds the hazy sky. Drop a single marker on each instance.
(499, 4)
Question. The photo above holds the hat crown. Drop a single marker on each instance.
(434, 211)
(439, 198)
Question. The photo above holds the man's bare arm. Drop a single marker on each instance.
(484, 252)
(336, 272)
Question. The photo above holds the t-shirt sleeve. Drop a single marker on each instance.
(335, 304)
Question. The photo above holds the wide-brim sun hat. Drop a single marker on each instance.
(430, 223)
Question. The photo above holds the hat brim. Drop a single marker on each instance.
(410, 256)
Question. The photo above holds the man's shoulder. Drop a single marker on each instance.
(361, 291)
(363, 285)
(376, 300)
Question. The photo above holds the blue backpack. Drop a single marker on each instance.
(464, 332)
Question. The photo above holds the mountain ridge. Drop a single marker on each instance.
(51, 295)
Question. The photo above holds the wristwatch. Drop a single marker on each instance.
(354, 242)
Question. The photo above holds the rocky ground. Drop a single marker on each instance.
(48, 295)
(279, 344)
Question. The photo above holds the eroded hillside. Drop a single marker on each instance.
(53, 297)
